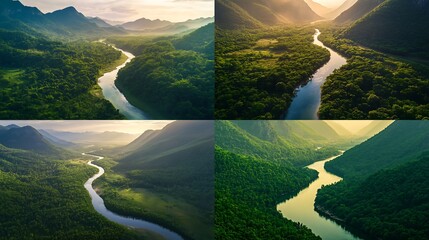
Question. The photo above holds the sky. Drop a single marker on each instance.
(330, 3)
(133, 127)
(130, 10)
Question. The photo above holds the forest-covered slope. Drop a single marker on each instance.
(172, 78)
(44, 198)
(396, 26)
(173, 167)
(397, 144)
(384, 194)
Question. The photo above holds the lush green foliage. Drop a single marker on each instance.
(397, 144)
(271, 140)
(167, 176)
(257, 71)
(373, 85)
(391, 204)
(43, 79)
(247, 191)
(396, 26)
(155, 196)
(171, 78)
(384, 194)
(44, 198)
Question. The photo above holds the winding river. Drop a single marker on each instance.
(301, 208)
(306, 103)
(99, 206)
(112, 93)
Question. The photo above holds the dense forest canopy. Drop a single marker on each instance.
(171, 78)
(384, 193)
(257, 71)
(373, 85)
(43, 197)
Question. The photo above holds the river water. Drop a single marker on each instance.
(112, 93)
(99, 206)
(301, 208)
(305, 105)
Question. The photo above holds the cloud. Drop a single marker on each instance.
(130, 10)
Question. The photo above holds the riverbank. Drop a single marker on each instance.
(114, 95)
(301, 208)
(96, 89)
(152, 204)
(307, 101)
(99, 206)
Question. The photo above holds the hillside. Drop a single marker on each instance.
(200, 40)
(242, 13)
(396, 26)
(230, 16)
(318, 8)
(341, 9)
(97, 138)
(276, 141)
(42, 197)
(358, 10)
(26, 138)
(172, 77)
(384, 191)
(145, 24)
(173, 167)
(61, 23)
(382, 151)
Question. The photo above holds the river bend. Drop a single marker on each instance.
(99, 206)
(301, 208)
(305, 105)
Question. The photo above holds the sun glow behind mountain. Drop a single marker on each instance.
(330, 3)
(130, 10)
(132, 127)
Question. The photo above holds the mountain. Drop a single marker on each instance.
(56, 141)
(200, 40)
(288, 142)
(66, 22)
(338, 11)
(374, 128)
(26, 138)
(340, 130)
(396, 26)
(10, 9)
(145, 24)
(99, 22)
(318, 8)
(176, 146)
(231, 16)
(103, 138)
(177, 161)
(397, 144)
(72, 20)
(245, 13)
(358, 10)
(166, 27)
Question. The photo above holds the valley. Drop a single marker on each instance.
(260, 164)
(162, 196)
(376, 189)
(385, 77)
(99, 206)
(51, 62)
